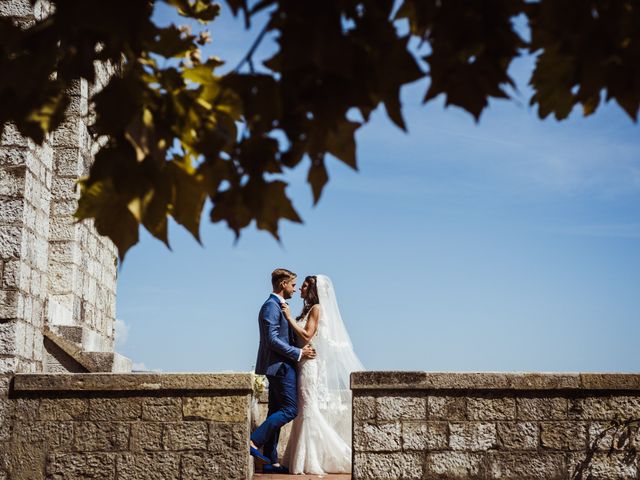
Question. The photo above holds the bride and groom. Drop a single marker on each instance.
(307, 361)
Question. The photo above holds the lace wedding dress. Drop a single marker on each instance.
(320, 439)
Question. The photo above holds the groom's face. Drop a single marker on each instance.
(289, 288)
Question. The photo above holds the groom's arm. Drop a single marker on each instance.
(271, 316)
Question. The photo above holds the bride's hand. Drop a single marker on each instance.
(285, 310)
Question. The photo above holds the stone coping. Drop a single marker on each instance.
(139, 382)
(493, 381)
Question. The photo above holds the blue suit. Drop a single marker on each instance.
(277, 359)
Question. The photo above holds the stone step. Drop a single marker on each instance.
(85, 338)
(67, 340)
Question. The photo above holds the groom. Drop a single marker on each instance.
(277, 359)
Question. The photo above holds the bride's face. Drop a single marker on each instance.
(303, 290)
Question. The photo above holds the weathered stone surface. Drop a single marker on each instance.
(146, 436)
(529, 465)
(446, 408)
(210, 382)
(401, 408)
(186, 436)
(214, 466)
(160, 409)
(453, 465)
(371, 437)
(605, 407)
(518, 436)
(225, 437)
(101, 436)
(46, 435)
(109, 409)
(148, 466)
(472, 436)
(463, 381)
(425, 436)
(490, 408)
(80, 466)
(540, 408)
(217, 408)
(610, 381)
(563, 435)
(64, 409)
(364, 408)
(388, 466)
(618, 466)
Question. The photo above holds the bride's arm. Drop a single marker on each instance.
(309, 331)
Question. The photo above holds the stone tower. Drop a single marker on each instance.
(58, 277)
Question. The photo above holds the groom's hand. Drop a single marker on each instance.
(308, 352)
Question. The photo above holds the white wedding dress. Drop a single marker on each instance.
(320, 439)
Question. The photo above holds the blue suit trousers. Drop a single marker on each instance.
(283, 408)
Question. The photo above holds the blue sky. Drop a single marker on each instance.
(508, 245)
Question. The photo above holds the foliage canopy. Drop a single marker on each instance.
(176, 132)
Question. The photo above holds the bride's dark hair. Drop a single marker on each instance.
(312, 296)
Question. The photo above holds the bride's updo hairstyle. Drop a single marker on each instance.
(312, 295)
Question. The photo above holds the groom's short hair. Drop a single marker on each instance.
(279, 275)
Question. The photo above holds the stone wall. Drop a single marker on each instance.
(128, 426)
(56, 275)
(487, 426)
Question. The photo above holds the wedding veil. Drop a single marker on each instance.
(336, 360)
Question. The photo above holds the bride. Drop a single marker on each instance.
(320, 440)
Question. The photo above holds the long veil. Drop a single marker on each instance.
(336, 360)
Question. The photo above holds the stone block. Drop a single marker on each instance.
(161, 409)
(447, 408)
(605, 407)
(371, 437)
(64, 409)
(228, 436)
(48, 436)
(10, 241)
(7, 338)
(12, 180)
(219, 408)
(364, 408)
(401, 408)
(209, 466)
(15, 8)
(146, 436)
(109, 409)
(80, 466)
(186, 436)
(618, 466)
(563, 435)
(11, 211)
(11, 274)
(453, 465)
(491, 408)
(425, 436)
(472, 436)
(539, 408)
(101, 436)
(15, 157)
(371, 466)
(529, 465)
(518, 436)
(605, 438)
(148, 466)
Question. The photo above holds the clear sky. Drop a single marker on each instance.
(508, 245)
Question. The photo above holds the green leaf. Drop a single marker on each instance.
(110, 212)
(189, 196)
(317, 178)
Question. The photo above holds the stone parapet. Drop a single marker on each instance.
(416, 425)
(122, 426)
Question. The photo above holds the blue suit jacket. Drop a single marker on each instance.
(276, 339)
